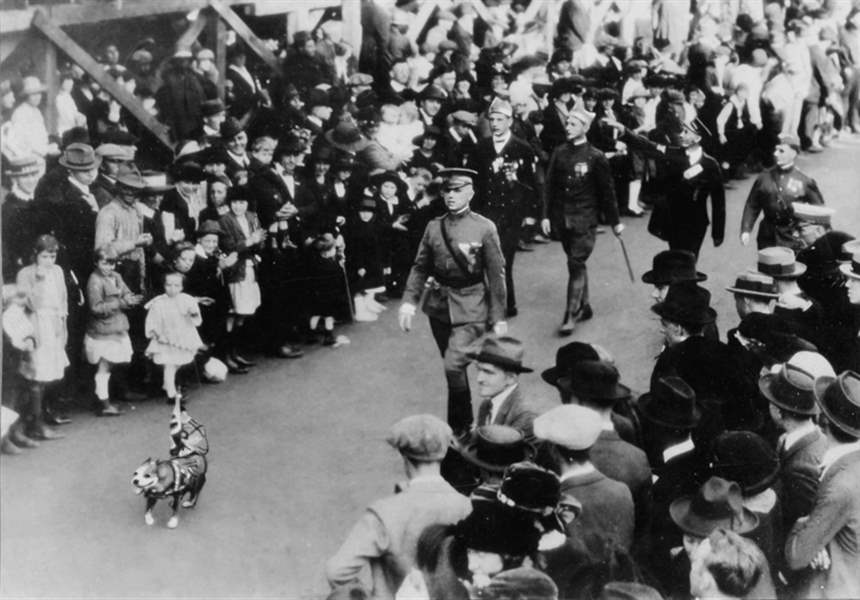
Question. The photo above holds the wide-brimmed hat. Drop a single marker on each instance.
(686, 303)
(566, 357)
(188, 171)
(230, 128)
(19, 166)
(745, 458)
(530, 488)
(718, 503)
(131, 179)
(495, 447)
(346, 136)
(755, 285)
(155, 181)
(852, 269)
(780, 263)
(790, 388)
(31, 85)
(80, 157)
(673, 266)
(839, 399)
(429, 132)
(492, 526)
(595, 381)
(432, 92)
(209, 228)
(377, 179)
(504, 352)
(671, 402)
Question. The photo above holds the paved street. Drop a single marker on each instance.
(297, 447)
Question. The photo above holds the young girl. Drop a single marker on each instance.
(217, 187)
(44, 361)
(326, 286)
(171, 325)
(106, 342)
(243, 235)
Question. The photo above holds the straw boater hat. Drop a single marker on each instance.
(20, 166)
(852, 269)
(755, 285)
(780, 263)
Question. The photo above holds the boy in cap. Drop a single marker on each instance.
(380, 549)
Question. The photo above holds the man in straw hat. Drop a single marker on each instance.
(825, 540)
(578, 187)
(458, 280)
(380, 549)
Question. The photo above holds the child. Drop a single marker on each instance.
(18, 338)
(106, 342)
(171, 325)
(243, 235)
(44, 362)
(217, 188)
(326, 285)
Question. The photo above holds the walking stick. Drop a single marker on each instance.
(626, 259)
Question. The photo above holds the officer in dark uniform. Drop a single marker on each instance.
(458, 280)
(506, 191)
(773, 193)
(578, 188)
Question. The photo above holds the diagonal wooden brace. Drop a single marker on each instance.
(244, 32)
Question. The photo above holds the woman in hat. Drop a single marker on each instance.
(318, 177)
(428, 154)
(27, 133)
(326, 294)
(394, 210)
(364, 266)
(181, 206)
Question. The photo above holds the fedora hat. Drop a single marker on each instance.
(839, 399)
(671, 402)
(347, 137)
(745, 458)
(595, 381)
(852, 269)
(495, 447)
(209, 228)
(790, 388)
(755, 285)
(780, 263)
(718, 503)
(672, 266)
(502, 351)
(80, 157)
(566, 357)
(113, 151)
(686, 303)
(131, 179)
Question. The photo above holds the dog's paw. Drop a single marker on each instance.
(148, 519)
(172, 522)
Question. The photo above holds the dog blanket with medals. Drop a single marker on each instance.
(184, 473)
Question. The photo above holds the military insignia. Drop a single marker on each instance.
(795, 186)
(581, 168)
(470, 251)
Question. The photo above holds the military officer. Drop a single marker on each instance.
(578, 187)
(458, 280)
(505, 186)
(773, 194)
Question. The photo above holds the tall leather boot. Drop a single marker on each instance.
(460, 416)
(37, 428)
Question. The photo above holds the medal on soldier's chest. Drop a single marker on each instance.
(580, 169)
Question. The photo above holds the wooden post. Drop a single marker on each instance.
(220, 54)
(351, 16)
(244, 32)
(190, 35)
(424, 13)
(61, 39)
(53, 84)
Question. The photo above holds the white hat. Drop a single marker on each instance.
(571, 426)
(582, 115)
(813, 213)
(501, 106)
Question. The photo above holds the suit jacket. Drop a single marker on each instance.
(104, 190)
(380, 550)
(628, 464)
(798, 476)
(607, 508)
(517, 411)
(834, 524)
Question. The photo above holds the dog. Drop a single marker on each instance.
(184, 473)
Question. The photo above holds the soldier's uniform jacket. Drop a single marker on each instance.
(772, 194)
(578, 186)
(454, 296)
(506, 203)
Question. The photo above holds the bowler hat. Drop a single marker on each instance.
(209, 228)
(790, 388)
(839, 399)
(212, 107)
(745, 458)
(188, 171)
(779, 262)
(755, 285)
(671, 402)
(672, 266)
(570, 426)
(595, 381)
(19, 166)
(432, 92)
(718, 503)
(421, 437)
(495, 447)
(80, 157)
(230, 128)
(686, 303)
(504, 352)
(347, 137)
(852, 269)
(566, 357)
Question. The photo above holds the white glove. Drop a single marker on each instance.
(545, 227)
(500, 328)
(404, 316)
(745, 238)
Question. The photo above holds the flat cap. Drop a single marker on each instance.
(465, 117)
(572, 426)
(813, 213)
(421, 437)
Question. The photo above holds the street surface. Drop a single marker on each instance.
(297, 446)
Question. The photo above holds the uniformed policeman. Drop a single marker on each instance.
(773, 194)
(578, 187)
(458, 280)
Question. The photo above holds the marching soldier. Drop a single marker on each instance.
(458, 280)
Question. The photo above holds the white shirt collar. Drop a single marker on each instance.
(578, 471)
(835, 453)
(242, 159)
(678, 449)
(425, 478)
(21, 194)
(84, 188)
(762, 503)
(499, 143)
(790, 439)
(497, 400)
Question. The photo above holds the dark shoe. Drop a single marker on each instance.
(585, 313)
(381, 298)
(523, 247)
(57, 417)
(567, 328)
(7, 447)
(511, 312)
(626, 212)
(540, 239)
(108, 410)
(329, 339)
(287, 351)
(234, 368)
(243, 362)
